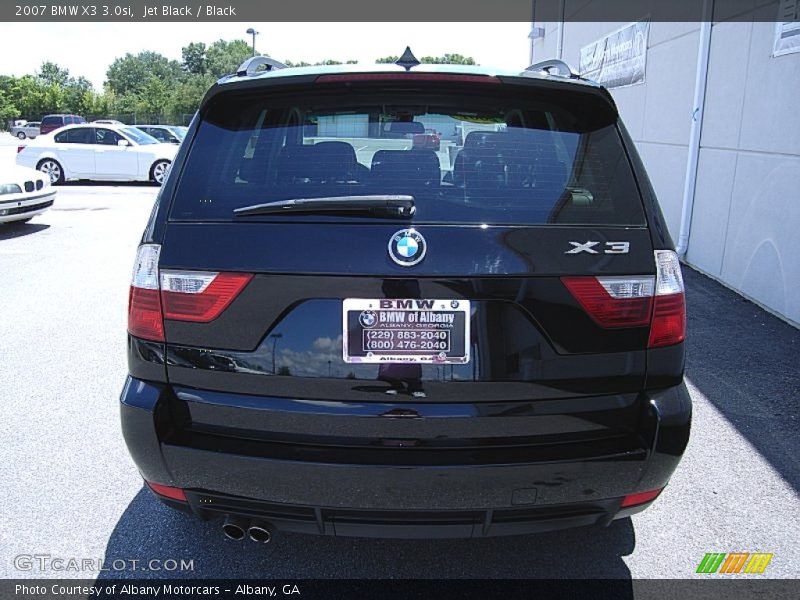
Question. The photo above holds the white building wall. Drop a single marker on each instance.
(746, 218)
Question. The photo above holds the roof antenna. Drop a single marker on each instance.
(408, 60)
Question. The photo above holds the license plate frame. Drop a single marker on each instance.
(440, 337)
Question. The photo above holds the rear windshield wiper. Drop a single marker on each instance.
(381, 205)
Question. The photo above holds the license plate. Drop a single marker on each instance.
(405, 331)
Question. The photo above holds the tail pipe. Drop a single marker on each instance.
(260, 531)
(235, 528)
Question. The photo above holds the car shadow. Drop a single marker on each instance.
(149, 530)
(9, 231)
(87, 183)
(744, 360)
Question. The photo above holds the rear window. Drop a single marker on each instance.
(51, 121)
(79, 135)
(512, 156)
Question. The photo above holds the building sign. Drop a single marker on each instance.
(787, 29)
(619, 58)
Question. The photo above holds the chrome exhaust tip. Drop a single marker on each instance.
(260, 531)
(234, 528)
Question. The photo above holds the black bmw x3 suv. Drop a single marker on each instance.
(336, 329)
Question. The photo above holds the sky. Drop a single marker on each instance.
(89, 48)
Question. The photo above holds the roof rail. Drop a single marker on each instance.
(564, 70)
(250, 67)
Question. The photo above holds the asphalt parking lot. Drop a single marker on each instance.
(8, 148)
(71, 490)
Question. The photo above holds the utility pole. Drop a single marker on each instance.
(254, 33)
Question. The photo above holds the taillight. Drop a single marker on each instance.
(638, 301)
(144, 302)
(640, 498)
(614, 301)
(20, 149)
(199, 296)
(669, 310)
(167, 491)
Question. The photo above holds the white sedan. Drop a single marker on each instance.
(24, 193)
(100, 153)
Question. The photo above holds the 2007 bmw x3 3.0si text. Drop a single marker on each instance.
(336, 329)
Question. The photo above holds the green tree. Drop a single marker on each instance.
(194, 58)
(130, 73)
(79, 95)
(54, 98)
(98, 105)
(51, 90)
(50, 73)
(126, 103)
(7, 108)
(223, 58)
(154, 95)
(447, 59)
(188, 93)
(28, 96)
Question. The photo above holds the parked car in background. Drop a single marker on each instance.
(53, 122)
(430, 140)
(28, 130)
(100, 153)
(24, 193)
(167, 134)
(107, 122)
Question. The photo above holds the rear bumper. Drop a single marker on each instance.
(562, 486)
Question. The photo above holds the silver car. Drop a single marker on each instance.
(29, 130)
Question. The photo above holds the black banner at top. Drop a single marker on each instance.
(395, 10)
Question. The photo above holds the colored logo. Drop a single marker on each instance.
(734, 562)
(368, 318)
(407, 247)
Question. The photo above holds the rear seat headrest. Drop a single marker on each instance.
(324, 161)
(410, 166)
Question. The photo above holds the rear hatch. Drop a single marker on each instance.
(524, 275)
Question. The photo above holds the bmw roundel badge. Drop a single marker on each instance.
(368, 318)
(407, 247)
